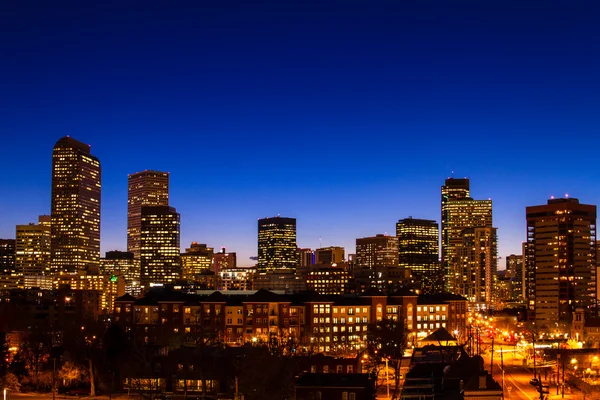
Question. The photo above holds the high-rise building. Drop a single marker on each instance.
(459, 212)
(224, 260)
(561, 255)
(475, 263)
(33, 249)
(197, 258)
(329, 255)
(516, 274)
(306, 257)
(122, 264)
(418, 246)
(8, 277)
(147, 188)
(75, 227)
(160, 251)
(277, 243)
(377, 252)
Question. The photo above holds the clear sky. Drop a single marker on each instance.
(346, 115)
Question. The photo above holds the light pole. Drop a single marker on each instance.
(387, 380)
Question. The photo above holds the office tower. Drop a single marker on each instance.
(475, 263)
(159, 250)
(377, 252)
(33, 248)
(418, 246)
(224, 260)
(75, 227)
(328, 279)
(517, 276)
(306, 258)
(459, 212)
(197, 258)
(147, 188)
(561, 258)
(277, 243)
(7, 257)
(122, 264)
(329, 255)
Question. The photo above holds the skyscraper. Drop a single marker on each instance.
(306, 257)
(516, 274)
(75, 227)
(418, 246)
(147, 188)
(561, 259)
(475, 265)
(377, 252)
(459, 212)
(122, 264)
(277, 243)
(159, 252)
(7, 257)
(224, 260)
(33, 248)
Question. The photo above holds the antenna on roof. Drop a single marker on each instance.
(320, 244)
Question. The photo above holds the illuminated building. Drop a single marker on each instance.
(224, 260)
(123, 264)
(418, 247)
(561, 255)
(279, 279)
(236, 278)
(109, 287)
(196, 259)
(160, 252)
(328, 279)
(75, 226)
(306, 257)
(377, 252)
(387, 280)
(475, 264)
(517, 275)
(329, 255)
(147, 188)
(459, 212)
(8, 274)
(277, 243)
(33, 250)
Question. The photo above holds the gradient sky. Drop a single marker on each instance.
(345, 115)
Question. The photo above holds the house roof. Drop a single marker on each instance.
(440, 335)
(126, 297)
(335, 380)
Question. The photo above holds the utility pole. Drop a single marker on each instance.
(502, 366)
(557, 369)
(492, 359)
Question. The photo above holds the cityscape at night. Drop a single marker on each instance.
(300, 201)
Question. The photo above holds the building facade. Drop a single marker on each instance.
(196, 259)
(377, 252)
(561, 258)
(224, 260)
(160, 251)
(33, 249)
(418, 247)
(8, 273)
(329, 255)
(518, 278)
(147, 188)
(277, 243)
(123, 264)
(75, 226)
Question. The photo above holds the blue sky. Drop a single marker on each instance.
(345, 115)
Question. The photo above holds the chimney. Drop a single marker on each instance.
(482, 381)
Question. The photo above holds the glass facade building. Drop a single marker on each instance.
(277, 243)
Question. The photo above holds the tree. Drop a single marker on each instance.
(387, 340)
(70, 373)
(35, 352)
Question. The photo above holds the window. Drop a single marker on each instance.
(325, 369)
(339, 369)
(349, 369)
(352, 396)
(344, 395)
(313, 369)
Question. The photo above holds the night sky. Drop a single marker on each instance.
(347, 115)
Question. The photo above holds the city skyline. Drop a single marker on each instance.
(249, 97)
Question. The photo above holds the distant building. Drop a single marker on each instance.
(306, 257)
(475, 266)
(196, 259)
(147, 188)
(329, 255)
(75, 227)
(8, 276)
(418, 246)
(236, 279)
(517, 275)
(277, 243)
(561, 255)
(459, 212)
(108, 287)
(279, 279)
(328, 279)
(377, 252)
(224, 260)
(33, 249)
(160, 251)
(335, 386)
(123, 264)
